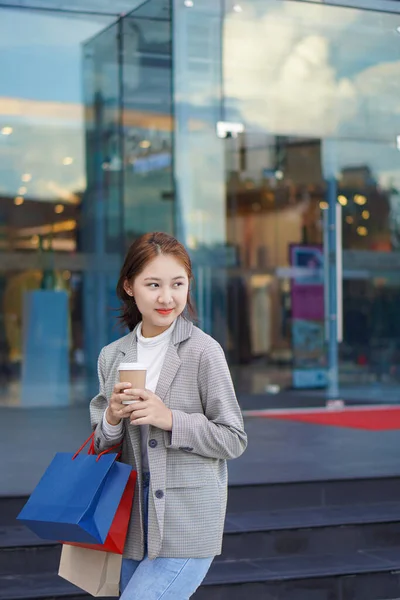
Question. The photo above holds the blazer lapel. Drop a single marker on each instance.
(172, 362)
(128, 351)
(170, 367)
(131, 350)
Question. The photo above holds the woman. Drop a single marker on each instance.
(180, 434)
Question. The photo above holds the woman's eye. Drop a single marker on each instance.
(153, 285)
(178, 283)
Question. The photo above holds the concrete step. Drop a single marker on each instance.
(297, 495)
(353, 576)
(277, 496)
(248, 535)
(334, 540)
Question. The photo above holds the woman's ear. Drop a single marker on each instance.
(128, 288)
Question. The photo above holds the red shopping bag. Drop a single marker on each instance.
(115, 541)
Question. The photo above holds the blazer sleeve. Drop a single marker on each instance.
(98, 406)
(219, 432)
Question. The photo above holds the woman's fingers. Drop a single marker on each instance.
(138, 393)
(138, 414)
(120, 387)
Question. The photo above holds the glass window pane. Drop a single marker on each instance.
(312, 69)
(48, 233)
(148, 194)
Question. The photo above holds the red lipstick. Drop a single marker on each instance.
(163, 311)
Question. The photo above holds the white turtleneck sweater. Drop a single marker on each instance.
(151, 352)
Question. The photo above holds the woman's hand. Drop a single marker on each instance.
(116, 410)
(150, 410)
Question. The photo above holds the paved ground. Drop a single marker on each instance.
(277, 451)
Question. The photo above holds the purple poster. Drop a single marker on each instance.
(307, 295)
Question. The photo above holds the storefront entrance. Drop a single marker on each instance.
(277, 201)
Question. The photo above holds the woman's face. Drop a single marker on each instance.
(160, 292)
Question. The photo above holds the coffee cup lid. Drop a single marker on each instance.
(132, 366)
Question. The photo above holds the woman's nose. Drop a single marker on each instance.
(165, 297)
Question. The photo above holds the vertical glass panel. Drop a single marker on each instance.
(368, 190)
(147, 120)
(197, 88)
(275, 192)
(102, 211)
(46, 236)
(199, 155)
(102, 75)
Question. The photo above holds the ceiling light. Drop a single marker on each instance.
(237, 8)
(363, 231)
(398, 29)
(68, 160)
(360, 200)
(59, 208)
(342, 200)
(145, 144)
(189, 3)
(18, 200)
(323, 205)
(22, 190)
(349, 220)
(7, 130)
(26, 177)
(365, 214)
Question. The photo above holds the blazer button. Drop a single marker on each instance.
(159, 494)
(153, 443)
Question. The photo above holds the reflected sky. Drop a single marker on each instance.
(289, 68)
(47, 75)
(41, 93)
(41, 54)
(318, 71)
(313, 69)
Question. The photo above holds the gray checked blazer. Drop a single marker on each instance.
(188, 471)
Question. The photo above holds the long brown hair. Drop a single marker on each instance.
(139, 254)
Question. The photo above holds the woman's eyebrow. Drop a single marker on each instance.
(158, 279)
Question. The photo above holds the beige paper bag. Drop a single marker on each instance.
(94, 571)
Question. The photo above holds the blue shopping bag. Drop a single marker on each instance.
(77, 497)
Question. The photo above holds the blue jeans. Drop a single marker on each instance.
(161, 578)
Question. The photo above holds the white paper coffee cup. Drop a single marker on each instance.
(132, 366)
(135, 374)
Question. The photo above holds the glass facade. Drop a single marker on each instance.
(314, 89)
(46, 242)
(232, 125)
